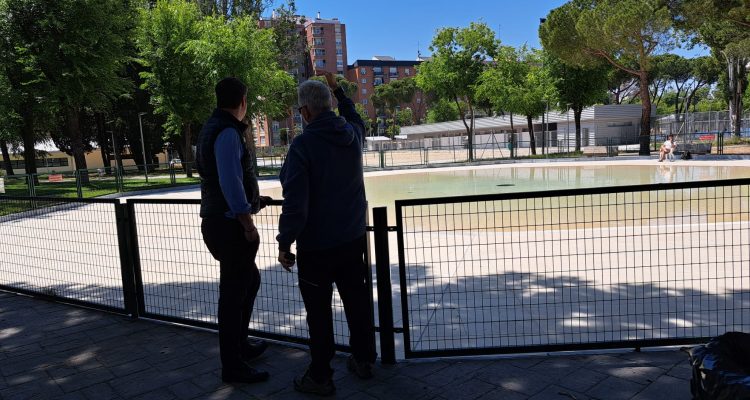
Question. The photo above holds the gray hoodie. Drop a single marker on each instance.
(323, 186)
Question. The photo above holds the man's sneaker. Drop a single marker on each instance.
(243, 374)
(306, 384)
(363, 370)
(253, 349)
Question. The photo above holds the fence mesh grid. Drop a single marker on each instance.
(579, 269)
(61, 248)
(181, 278)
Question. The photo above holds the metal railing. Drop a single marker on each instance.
(613, 267)
(574, 269)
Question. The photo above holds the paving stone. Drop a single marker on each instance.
(582, 380)
(558, 368)
(614, 388)
(666, 387)
(642, 375)
(401, 387)
(186, 390)
(516, 379)
(470, 389)
(84, 379)
(100, 391)
(502, 394)
(421, 369)
(554, 392)
(681, 371)
(158, 394)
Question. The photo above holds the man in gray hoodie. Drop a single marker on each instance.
(324, 211)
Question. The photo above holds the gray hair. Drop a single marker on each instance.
(315, 95)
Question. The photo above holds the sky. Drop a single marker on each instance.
(399, 28)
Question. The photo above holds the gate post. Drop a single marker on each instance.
(383, 274)
(133, 298)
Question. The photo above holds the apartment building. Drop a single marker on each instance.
(368, 74)
(326, 40)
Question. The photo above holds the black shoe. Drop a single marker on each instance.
(253, 349)
(363, 370)
(243, 374)
(306, 384)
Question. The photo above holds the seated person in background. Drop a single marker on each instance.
(668, 147)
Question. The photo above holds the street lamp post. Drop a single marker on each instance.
(143, 145)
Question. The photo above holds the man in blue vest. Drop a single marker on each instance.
(229, 198)
(324, 211)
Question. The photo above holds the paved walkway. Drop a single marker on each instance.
(54, 351)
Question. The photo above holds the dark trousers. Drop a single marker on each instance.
(318, 270)
(238, 283)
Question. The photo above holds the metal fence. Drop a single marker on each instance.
(611, 267)
(577, 269)
(62, 248)
(145, 258)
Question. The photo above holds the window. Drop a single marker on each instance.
(275, 127)
(339, 64)
(364, 101)
(363, 71)
(419, 100)
(320, 63)
(263, 140)
(318, 31)
(377, 70)
(338, 29)
(364, 80)
(393, 71)
(339, 43)
(340, 51)
(319, 41)
(378, 81)
(364, 91)
(320, 52)
(407, 71)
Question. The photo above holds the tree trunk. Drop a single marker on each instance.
(532, 139)
(577, 111)
(471, 131)
(736, 67)
(101, 138)
(29, 140)
(73, 129)
(645, 136)
(187, 161)
(512, 136)
(6, 157)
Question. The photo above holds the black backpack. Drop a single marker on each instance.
(686, 156)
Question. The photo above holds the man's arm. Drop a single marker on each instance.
(296, 190)
(346, 107)
(228, 154)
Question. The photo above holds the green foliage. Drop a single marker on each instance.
(518, 83)
(234, 8)
(395, 93)
(576, 86)
(459, 57)
(239, 48)
(405, 117)
(179, 87)
(441, 111)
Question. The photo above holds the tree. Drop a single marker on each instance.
(705, 72)
(518, 83)
(21, 37)
(441, 111)
(393, 95)
(622, 87)
(180, 88)
(578, 88)
(234, 8)
(9, 122)
(239, 48)
(670, 71)
(722, 25)
(460, 56)
(624, 33)
(82, 61)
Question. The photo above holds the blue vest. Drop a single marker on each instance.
(213, 202)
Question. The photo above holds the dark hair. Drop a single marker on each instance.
(230, 92)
